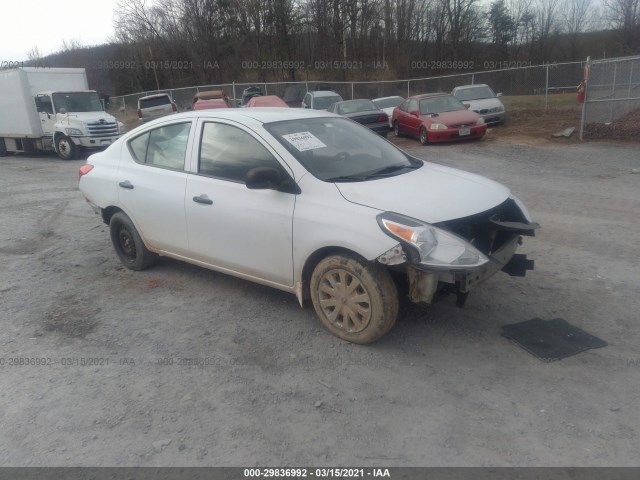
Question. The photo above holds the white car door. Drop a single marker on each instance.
(230, 226)
(152, 182)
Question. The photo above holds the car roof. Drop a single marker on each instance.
(324, 93)
(387, 98)
(354, 100)
(429, 95)
(157, 95)
(471, 86)
(262, 115)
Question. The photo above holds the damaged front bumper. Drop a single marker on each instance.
(426, 285)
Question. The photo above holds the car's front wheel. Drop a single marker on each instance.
(424, 138)
(355, 300)
(128, 244)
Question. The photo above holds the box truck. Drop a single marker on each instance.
(52, 109)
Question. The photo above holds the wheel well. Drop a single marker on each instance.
(313, 260)
(108, 212)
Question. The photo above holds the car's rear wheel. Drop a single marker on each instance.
(128, 244)
(396, 129)
(424, 138)
(357, 301)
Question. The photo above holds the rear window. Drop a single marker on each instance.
(154, 102)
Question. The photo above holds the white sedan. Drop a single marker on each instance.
(307, 202)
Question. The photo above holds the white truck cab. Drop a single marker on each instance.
(64, 119)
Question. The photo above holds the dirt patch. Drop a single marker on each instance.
(70, 317)
(529, 126)
(624, 128)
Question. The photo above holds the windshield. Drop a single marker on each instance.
(475, 93)
(151, 102)
(77, 102)
(446, 103)
(322, 103)
(340, 150)
(389, 102)
(356, 106)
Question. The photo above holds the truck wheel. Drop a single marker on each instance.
(66, 149)
(128, 244)
(355, 300)
(3, 148)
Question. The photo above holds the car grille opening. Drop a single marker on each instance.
(481, 232)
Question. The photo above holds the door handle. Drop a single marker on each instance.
(126, 184)
(203, 199)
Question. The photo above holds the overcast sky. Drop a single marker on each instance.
(46, 23)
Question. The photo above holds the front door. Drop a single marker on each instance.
(229, 226)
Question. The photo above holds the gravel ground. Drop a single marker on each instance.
(442, 389)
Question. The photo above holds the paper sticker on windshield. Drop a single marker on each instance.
(304, 141)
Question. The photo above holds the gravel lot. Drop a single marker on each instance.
(442, 389)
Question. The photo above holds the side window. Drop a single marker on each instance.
(404, 106)
(43, 104)
(163, 147)
(228, 153)
(413, 105)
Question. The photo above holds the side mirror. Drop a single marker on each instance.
(499, 94)
(415, 113)
(467, 105)
(267, 178)
(62, 111)
(264, 178)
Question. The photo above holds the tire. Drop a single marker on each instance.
(396, 129)
(67, 150)
(355, 300)
(128, 244)
(424, 138)
(3, 148)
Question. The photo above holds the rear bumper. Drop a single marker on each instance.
(381, 128)
(453, 134)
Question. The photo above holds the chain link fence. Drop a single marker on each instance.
(612, 99)
(523, 87)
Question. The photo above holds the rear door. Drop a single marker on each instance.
(229, 226)
(152, 182)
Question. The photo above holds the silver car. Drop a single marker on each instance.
(155, 106)
(482, 100)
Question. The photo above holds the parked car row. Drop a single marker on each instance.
(437, 117)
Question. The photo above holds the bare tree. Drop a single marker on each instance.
(624, 15)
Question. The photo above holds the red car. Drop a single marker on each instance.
(267, 101)
(437, 117)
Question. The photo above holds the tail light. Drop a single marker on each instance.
(383, 117)
(173, 106)
(84, 170)
(139, 113)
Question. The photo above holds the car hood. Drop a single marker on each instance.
(458, 117)
(484, 103)
(432, 193)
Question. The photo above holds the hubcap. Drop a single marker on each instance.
(63, 146)
(423, 136)
(344, 301)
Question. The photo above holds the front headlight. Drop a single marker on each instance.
(480, 121)
(437, 126)
(431, 246)
(121, 127)
(73, 131)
